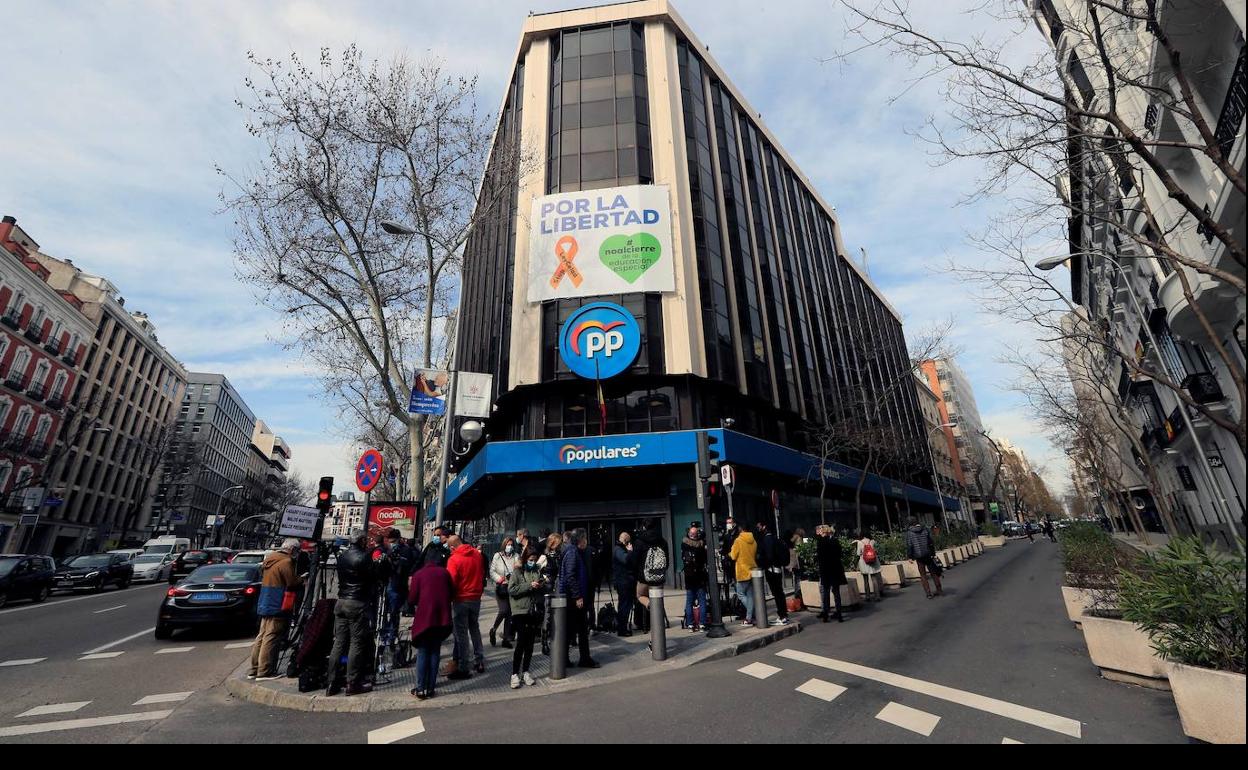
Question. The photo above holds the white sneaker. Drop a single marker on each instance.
(528, 679)
(777, 622)
(515, 682)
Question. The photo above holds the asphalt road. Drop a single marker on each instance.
(995, 660)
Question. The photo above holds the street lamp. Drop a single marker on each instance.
(396, 228)
(216, 538)
(1220, 504)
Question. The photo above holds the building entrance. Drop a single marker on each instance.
(605, 521)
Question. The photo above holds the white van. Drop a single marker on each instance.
(130, 553)
(167, 545)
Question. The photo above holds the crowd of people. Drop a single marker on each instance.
(441, 587)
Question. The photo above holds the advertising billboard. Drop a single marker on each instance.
(401, 516)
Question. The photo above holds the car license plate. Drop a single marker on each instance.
(208, 596)
(65, 584)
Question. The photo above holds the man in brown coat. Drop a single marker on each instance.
(278, 581)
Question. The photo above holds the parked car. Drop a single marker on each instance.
(93, 572)
(1013, 529)
(249, 557)
(187, 562)
(153, 566)
(220, 554)
(25, 577)
(218, 595)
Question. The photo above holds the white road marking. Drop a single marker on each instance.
(759, 670)
(75, 599)
(101, 655)
(817, 688)
(910, 719)
(110, 609)
(173, 650)
(54, 708)
(238, 645)
(396, 732)
(22, 662)
(78, 724)
(1053, 722)
(1011, 740)
(102, 648)
(169, 697)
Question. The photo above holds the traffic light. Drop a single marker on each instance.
(325, 495)
(714, 495)
(708, 454)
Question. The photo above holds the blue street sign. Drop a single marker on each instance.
(368, 470)
(600, 340)
(52, 502)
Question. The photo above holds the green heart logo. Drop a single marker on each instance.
(629, 256)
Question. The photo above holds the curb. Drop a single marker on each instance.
(240, 687)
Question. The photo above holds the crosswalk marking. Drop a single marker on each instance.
(101, 655)
(78, 724)
(22, 662)
(396, 732)
(238, 645)
(1052, 722)
(1011, 740)
(907, 718)
(759, 670)
(169, 697)
(173, 650)
(817, 688)
(53, 708)
(110, 645)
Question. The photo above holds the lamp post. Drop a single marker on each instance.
(1219, 498)
(470, 432)
(216, 521)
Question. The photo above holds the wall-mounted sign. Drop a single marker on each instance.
(429, 392)
(612, 241)
(298, 521)
(474, 394)
(599, 341)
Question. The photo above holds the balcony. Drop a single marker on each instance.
(53, 347)
(38, 392)
(70, 358)
(1216, 300)
(38, 451)
(16, 382)
(33, 333)
(56, 403)
(1203, 388)
(1233, 108)
(15, 442)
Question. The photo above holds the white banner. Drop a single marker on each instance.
(298, 521)
(612, 241)
(474, 394)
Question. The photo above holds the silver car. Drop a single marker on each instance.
(153, 567)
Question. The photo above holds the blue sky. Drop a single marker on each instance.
(118, 111)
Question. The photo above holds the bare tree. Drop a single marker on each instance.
(352, 144)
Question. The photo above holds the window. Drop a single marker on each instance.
(4, 348)
(6, 470)
(41, 432)
(20, 362)
(22, 424)
(6, 404)
(41, 374)
(19, 299)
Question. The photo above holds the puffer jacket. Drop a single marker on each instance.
(744, 553)
(520, 589)
(693, 559)
(918, 542)
(277, 577)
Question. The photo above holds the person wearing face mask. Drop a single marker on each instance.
(726, 541)
(624, 580)
(436, 552)
(501, 566)
(693, 557)
(527, 588)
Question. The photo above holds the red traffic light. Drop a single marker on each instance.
(324, 495)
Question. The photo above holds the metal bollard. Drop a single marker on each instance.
(559, 638)
(658, 625)
(760, 598)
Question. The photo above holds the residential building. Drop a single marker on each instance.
(942, 451)
(346, 516)
(976, 460)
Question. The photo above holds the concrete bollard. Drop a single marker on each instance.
(760, 598)
(559, 638)
(658, 625)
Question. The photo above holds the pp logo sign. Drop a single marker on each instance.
(599, 341)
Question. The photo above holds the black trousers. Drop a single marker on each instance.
(776, 581)
(824, 590)
(525, 627)
(579, 630)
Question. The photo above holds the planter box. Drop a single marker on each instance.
(1123, 653)
(850, 596)
(894, 576)
(987, 541)
(910, 570)
(964, 553)
(947, 558)
(1210, 703)
(1077, 600)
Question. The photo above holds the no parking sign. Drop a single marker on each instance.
(368, 470)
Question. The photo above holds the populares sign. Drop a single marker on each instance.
(612, 241)
(599, 341)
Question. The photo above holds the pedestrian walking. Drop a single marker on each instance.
(430, 592)
(357, 593)
(501, 566)
(922, 549)
(773, 557)
(468, 581)
(1030, 529)
(652, 558)
(574, 584)
(693, 559)
(527, 589)
(831, 570)
(1049, 529)
(744, 554)
(624, 580)
(279, 586)
(869, 564)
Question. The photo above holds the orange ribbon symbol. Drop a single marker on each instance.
(566, 250)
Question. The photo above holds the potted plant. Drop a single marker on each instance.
(1087, 559)
(1118, 647)
(893, 554)
(808, 572)
(1189, 600)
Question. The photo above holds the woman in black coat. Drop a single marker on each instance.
(831, 569)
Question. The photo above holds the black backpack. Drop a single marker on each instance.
(607, 617)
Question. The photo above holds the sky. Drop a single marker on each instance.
(119, 113)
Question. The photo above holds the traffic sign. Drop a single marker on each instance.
(368, 470)
(28, 519)
(52, 502)
(727, 477)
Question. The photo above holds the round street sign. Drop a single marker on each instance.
(368, 470)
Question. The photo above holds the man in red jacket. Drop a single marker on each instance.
(467, 570)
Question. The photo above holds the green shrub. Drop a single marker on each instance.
(891, 547)
(992, 529)
(1190, 601)
(807, 559)
(849, 554)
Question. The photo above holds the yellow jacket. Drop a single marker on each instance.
(744, 554)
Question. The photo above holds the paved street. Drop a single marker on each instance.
(994, 661)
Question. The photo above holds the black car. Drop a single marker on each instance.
(189, 561)
(25, 577)
(93, 572)
(213, 596)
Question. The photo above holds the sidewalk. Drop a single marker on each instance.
(620, 659)
(1157, 541)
